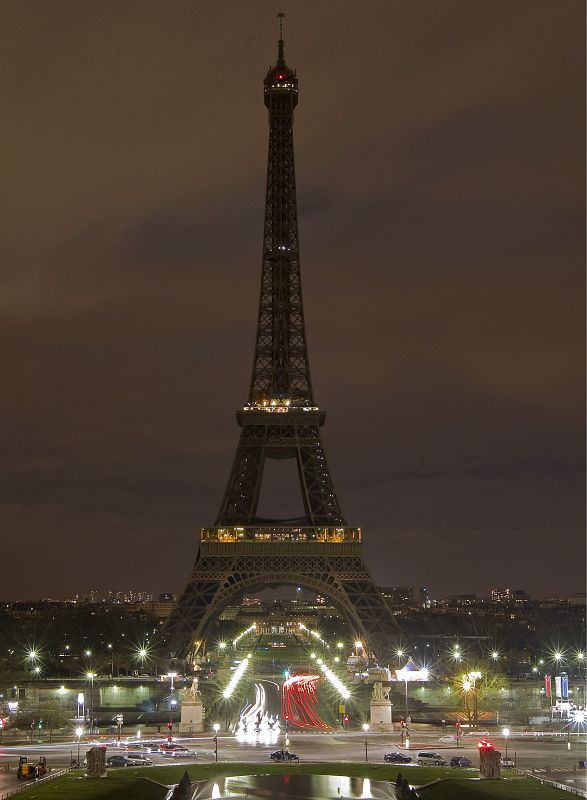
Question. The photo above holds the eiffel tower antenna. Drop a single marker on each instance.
(280, 420)
(280, 55)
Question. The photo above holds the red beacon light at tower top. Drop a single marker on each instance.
(279, 76)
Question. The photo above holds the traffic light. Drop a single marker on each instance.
(169, 725)
(345, 718)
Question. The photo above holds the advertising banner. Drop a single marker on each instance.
(557, 684)
(564, 686)
(547, 687)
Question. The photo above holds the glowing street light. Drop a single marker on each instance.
(495, 655)
(90, 676)
(506, 733)
(78, 733)
(366, 728)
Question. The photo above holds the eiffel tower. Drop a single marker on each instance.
(281, 420)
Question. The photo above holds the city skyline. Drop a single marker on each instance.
(440, 183)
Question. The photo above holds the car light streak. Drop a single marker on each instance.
(238, 674)
(298, 702)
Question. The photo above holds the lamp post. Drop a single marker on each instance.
(474, 676)
(90, 676)
(366, 728)
(506, 733)
(172, 676)
(111, 649)
(216, 729)
(78, 733)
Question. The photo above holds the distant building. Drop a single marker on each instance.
(460, 600)
(407, 596)
(509, 596)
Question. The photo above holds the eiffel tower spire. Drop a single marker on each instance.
(280, 367)
(280, 56)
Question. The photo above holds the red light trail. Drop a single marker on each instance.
(298, 702)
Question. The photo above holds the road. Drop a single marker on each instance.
(539, 755)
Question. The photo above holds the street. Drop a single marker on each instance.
(553, 759)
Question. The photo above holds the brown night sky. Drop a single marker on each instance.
(440, 167)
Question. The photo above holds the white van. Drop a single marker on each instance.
(430, 757)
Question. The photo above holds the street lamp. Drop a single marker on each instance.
(111, 660)
(172, 702)
(216, 727)
(366, 728)
(469, 683)
(506, 733)
(90, 676)
(78, 733)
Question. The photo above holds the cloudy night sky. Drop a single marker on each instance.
(440, 175)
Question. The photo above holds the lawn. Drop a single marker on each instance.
(511, 788)
(129, 784)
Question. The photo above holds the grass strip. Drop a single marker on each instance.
(129, 783)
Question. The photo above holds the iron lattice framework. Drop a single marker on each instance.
(281, 421)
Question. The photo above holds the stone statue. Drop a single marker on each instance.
(379, 693)
(192, 693)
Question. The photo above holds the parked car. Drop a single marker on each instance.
(477, 733)
(430, 757)
(447, 739)
(284, 755)
(461, 761)
(118, 761)
(397, 758)
(507, 762)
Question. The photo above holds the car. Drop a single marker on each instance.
(397, 758)
(176, 751)
(118, 761)
(461, 761)
(477, 733)
(447, 739)
(138, 760)
(507, 762)
(430, 757)
(283, 755)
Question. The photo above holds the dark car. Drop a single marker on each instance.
(118, 761)
(461, 761)
(284, 755)
(397, 758)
